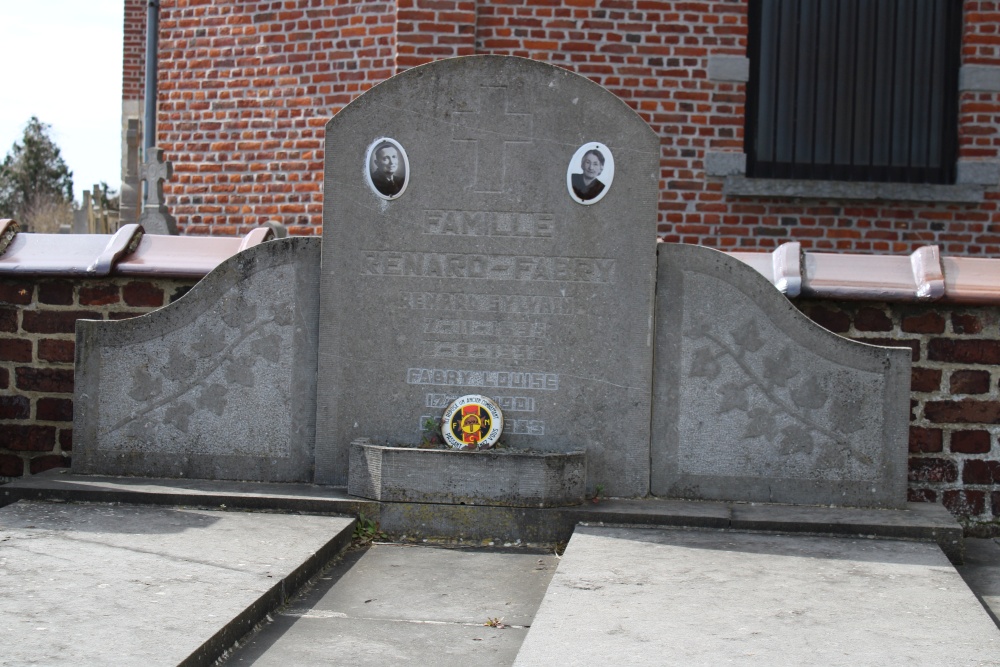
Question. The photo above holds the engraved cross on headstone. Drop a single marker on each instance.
(492, 127)
(155, 217)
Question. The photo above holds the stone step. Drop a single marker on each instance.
(926, 522)
(102, 584)
(642, 596)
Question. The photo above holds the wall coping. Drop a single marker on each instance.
(127, 252)
(923, 276)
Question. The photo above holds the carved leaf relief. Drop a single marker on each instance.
(144, 385)
(705, 364)
(229, 356)
(789, 409)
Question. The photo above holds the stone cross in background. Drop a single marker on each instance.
(131, 185)
(155, 217)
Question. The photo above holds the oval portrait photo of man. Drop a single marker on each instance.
(590, 173)
(387, 168)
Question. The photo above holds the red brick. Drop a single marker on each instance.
(4, 378)
(17, 293)
(15, 349)
(54, 410)
(138, 294)
(8, 320)
(43, 463)
(51, 380)
(66, 439)
(924, 469)
(976, 471)
(55, 293)
(832, 320)
(15, 407)
(995, 496)
(54, 349)
(927, 323)
(28, 438)
(967, 411)
(925, 440)
(970, 442)
(99, 295)
(10, 465)
(965, 503)
(964, 351)
(55, 321)
(970, 382)
(872, 319)
(964, 323)
(925, 379)
(921, 495)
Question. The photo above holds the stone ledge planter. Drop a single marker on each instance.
(504, 478)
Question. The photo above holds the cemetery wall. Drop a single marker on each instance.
(246, 88)
(37, 346)
(955, 418)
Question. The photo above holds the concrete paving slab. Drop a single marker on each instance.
(408, 604)
(110, 584)
(635, 596)
(981, 572)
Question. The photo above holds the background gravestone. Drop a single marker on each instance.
(218, 385)
(482, 274)
(753, 401)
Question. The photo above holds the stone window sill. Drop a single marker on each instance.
(973, 178)
(964, 193)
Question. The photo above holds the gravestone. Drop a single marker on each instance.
(155, 218)
(465, 252)
(219, 385)
(131, 185)
(753, 401)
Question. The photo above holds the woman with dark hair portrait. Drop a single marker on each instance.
(586, 186)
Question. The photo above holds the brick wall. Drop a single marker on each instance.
(247, 86)
(955, 385)
(134, 50)
(37, 342)
(246, 89)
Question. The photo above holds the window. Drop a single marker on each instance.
(853, 90)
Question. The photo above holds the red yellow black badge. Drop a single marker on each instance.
(472, 422)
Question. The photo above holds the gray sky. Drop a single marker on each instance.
(62, 62)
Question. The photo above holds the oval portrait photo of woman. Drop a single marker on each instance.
(590, 173)
(387, 168)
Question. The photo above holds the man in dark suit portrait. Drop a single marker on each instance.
(586, 186)
(387, 172)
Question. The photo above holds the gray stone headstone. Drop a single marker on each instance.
(155, 218)
(131, 184)
(220, 384)
(753, 401)
(481, 273)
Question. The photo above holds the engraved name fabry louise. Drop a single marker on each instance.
(472, 310)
